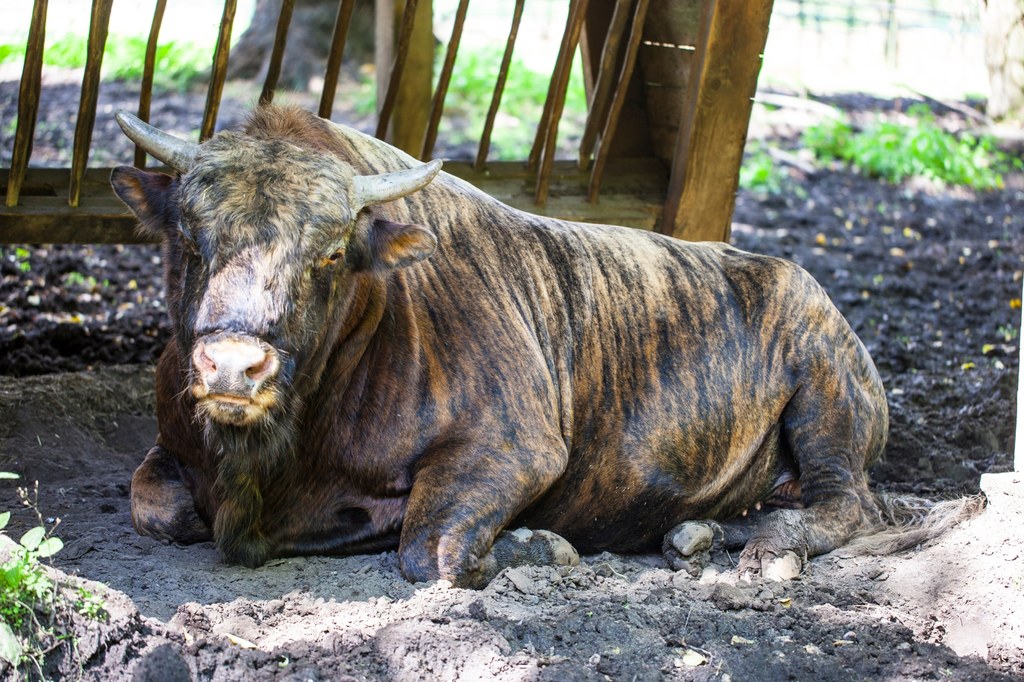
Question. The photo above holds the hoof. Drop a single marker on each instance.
(767, 564)
(687, 547)
(521, 547)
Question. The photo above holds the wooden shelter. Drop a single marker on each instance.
(669, 86)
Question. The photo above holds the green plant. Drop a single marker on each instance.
(77, 279)
(21, 258)
(177, 64)
(1008, 332)
(34, 610)
(472, 86)
(760, 174)
(895, 150)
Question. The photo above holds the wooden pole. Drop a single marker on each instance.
(618, 100)
(98, 24)
(600, 98)
(713, 129)
(341, 24)
(406, 104)
(574, 26)
(28, 101)
(277, 53)
(148, 69)
(219, 73)
(437, 107)
(499, 87)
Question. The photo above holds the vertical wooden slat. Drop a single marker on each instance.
(499, 87)
(709, 150)
(549, 101)
(395, 79)
(598, 109)
(149, 66)
(562, 74)
(437, 106)
(341, 24)
(219, 73)
(277, 54)
(98, 24)
(28, 101)
(618, 99)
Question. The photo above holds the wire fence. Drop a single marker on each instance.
(924, 45)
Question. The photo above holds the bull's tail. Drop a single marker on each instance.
(908, 521)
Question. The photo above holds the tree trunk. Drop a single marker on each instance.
(309, 41)
(1003, 24)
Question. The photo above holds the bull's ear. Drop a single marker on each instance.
(392, 245)
(145, 193)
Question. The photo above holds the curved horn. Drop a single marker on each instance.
(378, 189)
(176, 153)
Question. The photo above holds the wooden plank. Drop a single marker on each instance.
(219, 72)
(148, 69)
(666, 68)
(341, 24)
(705, 169)
(277, 52)
(98, 24)
(633, 195)
(28, 100)
(564, 54)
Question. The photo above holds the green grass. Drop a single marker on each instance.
(178, 64)
(896, 151)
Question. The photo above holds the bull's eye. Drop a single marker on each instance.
(333, 259)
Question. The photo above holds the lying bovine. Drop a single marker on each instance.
(369, 354)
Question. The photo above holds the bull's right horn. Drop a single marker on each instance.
(378, 189)
(176, 153)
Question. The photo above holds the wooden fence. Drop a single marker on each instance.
(669, 86)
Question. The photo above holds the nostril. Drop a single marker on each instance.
(204, 363)
(263, 369)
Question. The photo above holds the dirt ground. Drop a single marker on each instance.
(925, 275)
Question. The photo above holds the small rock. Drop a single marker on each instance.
(522, 582)
(730, 598)
(785, 567)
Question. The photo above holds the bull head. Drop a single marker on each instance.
(268, 241)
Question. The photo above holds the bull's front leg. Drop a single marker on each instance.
(462, 498)
(162, 505)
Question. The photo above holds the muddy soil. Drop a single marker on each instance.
(928, 278)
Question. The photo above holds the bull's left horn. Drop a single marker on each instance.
(176, 153)
(378, 189)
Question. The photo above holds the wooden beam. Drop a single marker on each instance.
(632, 194)
(713, 130)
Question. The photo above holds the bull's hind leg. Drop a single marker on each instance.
(835, 427)
(162, 505)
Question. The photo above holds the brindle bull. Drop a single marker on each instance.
(369, 354)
